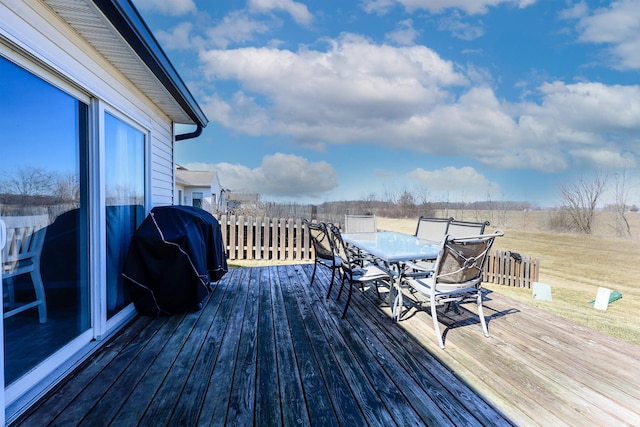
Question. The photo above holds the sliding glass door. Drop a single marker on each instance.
(43, 202)
(125, 196)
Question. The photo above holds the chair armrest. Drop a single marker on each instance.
(415, 270)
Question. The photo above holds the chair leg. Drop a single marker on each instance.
(436, 325)
(333, 272)
(483, 321)
(375, 283)
(38, 287)
(341, 287)
(313, 275)
(346, 306)
(396, 308)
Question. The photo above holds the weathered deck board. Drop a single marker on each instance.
(541, 370)
(268, 349)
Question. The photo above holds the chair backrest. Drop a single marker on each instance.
(360, 224)
(320, 239)
(24, 239)
(466, 228)
(341, 248)
(461, 261)
(432, 228)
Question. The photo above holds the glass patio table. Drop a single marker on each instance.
(393, 250)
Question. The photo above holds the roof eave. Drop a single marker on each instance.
(125, 18)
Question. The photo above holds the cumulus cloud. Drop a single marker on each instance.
(343, 94)
(278, 175)
(404, 35)
(455, 182)
(409, 97)
(456, 25)
(617, 26)
(236, 27)
(167, 7)
(298, 11)
(470, 7)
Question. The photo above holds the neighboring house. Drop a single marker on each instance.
(89, 102)
(201, 189)
(247, 201)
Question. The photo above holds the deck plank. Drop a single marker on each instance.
(316, 394)
(294, 409)
(268, 409)
(192, 398)
(359, 385)
(220, 383)
(347, 410)
(268, 349)
(131, 339)
(242, 400)
(434, 378)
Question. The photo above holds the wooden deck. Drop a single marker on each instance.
(267, 349)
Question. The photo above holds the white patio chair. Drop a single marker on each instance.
(466, 228)
(360, 224)
(25, 237)
(355, 270)
(456, 276)
(433, 229)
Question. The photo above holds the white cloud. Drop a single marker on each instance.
(460, 29)
(605, 159)
(339, 94)
(236, 27)
(298, 11)
(404, 35)
(459, 183)
(278, 175)
(617, 26)
(179, 38)
(409, 97)
(167, 7)
(470, 7)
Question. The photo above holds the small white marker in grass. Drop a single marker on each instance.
(602, 299)
(541, 291)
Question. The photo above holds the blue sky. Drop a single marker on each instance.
(458, 100)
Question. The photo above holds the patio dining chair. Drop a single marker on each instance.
(466, 228)
(355, 270)
(433, 229)
(456, 277)
(21, 256)
(324, 252)
(360, 224)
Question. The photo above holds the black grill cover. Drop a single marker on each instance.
(173, 256)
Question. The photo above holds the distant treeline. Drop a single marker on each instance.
(335, 211)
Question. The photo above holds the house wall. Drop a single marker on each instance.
(40, 33)
(34, 37)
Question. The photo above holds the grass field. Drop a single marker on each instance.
(574, 265)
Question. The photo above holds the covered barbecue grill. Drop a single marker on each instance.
(173, 257)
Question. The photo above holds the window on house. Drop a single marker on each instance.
(196, 199)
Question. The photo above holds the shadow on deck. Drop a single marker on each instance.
(268, 349)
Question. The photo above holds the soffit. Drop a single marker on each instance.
(93, 26)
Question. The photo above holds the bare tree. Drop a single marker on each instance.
(580, 200)
(622, 189)
(28, 181)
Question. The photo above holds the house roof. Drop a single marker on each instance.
(194, 178)
(116, 30)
